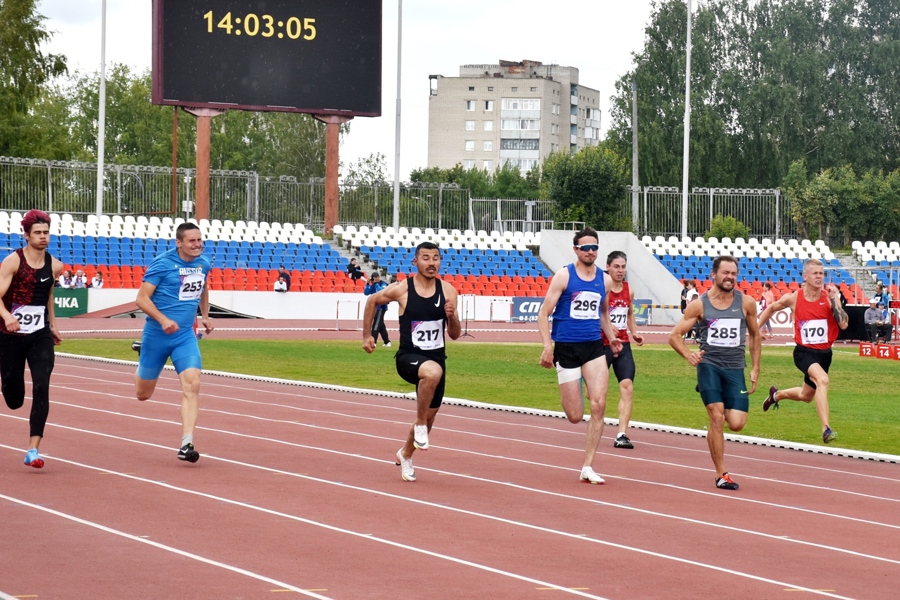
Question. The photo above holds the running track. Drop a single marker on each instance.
(297, 495)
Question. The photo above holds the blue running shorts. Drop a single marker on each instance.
(718, 384)
(157, 347)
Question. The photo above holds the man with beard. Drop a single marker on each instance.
(427, 310)
(726, 318)
(578, 302)
(818, 315)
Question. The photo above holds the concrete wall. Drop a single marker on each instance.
(646, 275)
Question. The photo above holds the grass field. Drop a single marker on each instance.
(864, 406)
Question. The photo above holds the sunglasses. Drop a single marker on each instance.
(588, 247)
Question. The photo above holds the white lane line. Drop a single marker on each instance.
(341, 530)
(368, 536)
(159, 546)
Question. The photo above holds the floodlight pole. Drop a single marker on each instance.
(687, 129)
(101, 120)
(204, 124)
(396, 219)
(332, 142)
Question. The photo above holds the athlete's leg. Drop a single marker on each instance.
(596, 378)
(41, 357)
(430, 375)
(626, 393)
(12, 370)
(804, 393)
(190, 400)
(409, 447)
(820, 378)
(571, 398)
(715, 436)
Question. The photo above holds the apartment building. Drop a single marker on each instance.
(511, 112)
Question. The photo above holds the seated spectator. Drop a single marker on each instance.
(67, 280)
(876, 322)
(80, 279)
(281, 285)
(882, 295)
(282, 274)
(97, 280)
(354, 272)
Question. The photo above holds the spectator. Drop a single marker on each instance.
(97, 280)
(378, 327)
(66, 280)
(767, 298)
(80, 280)
(684, 293)
(282, 274)
(354, 272)
(281, 285)
(882, 295)
(875, 322)
(692, 294)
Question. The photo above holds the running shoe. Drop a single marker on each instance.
(33, 459)
(188, 453)
(589, 476)
(829, 435)
(407, 473)
(387, 345)
(622, 441)
(420, 437)
(136, 346)
(725, 482)
(770, 401)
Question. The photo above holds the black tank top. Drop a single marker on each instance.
(423, 322)
(29, 287)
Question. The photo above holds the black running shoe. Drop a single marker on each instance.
(622, 441)
(770, 401)
(136, 346)
(188, 453)
(726, 483)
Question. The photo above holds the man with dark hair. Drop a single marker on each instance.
(621, 315)
(375, 285)
(579, 304)
(28, 332)
(427, 312)
(818, 315)
(286, 276)
(726, 317)
(353, 271)
(173, 287)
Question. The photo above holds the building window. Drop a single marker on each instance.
(524, 164)
(490, 88)
(470, 125)
(488, 106)
(488, 165)
(471, 88)
(470, 105)
(521, 104)
(534, 89)
(488, 146)
(515, 89)
(520, 124)
(515, 144)
(470, 145)
(488, 125)
(469, 164)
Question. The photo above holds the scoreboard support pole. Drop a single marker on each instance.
(332, 142)
(204, 125)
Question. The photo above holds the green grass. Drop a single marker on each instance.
(864, 407)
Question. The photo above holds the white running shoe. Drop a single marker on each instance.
(420, 437)
(407, 473)
(589, 476)
(387, 345)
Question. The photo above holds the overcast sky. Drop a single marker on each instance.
(596, 36)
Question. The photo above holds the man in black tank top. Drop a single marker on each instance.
(28, 332)
(725, 316)
(427, 311)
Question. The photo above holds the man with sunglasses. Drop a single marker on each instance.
(578, 302)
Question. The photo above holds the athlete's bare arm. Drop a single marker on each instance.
(692, 313)
(56, 267)
(554, 293)
(754, 340)
(396, 292)
(8, 268)
(840, 315)
(632, 320)
(205, 319)
(145, 303)
(454, 329)
(606, 325)
(786, 301)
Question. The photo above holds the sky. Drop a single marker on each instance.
(599, 37)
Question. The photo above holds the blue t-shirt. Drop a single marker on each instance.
(179, 285)
(576, 317)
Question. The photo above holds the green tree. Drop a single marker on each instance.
(588, 186)
(24, 70)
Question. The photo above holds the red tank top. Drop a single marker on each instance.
(29, 287)
(619, 303)
(814, 324)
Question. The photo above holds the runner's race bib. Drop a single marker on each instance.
(30, 318)
(619, 317)
(428, 335)
(723, 333)
(585, 305)
(814, 332)
(191, 287)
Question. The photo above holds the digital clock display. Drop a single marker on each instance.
(313, 56)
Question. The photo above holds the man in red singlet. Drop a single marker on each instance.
(621, 315)
(818, 315)
(28, 332)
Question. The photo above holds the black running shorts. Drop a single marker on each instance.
(408, 364)
(805, 357)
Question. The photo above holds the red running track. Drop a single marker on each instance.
(297, 493)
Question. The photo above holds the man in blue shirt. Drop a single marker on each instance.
(374, 285)
(174, 285)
